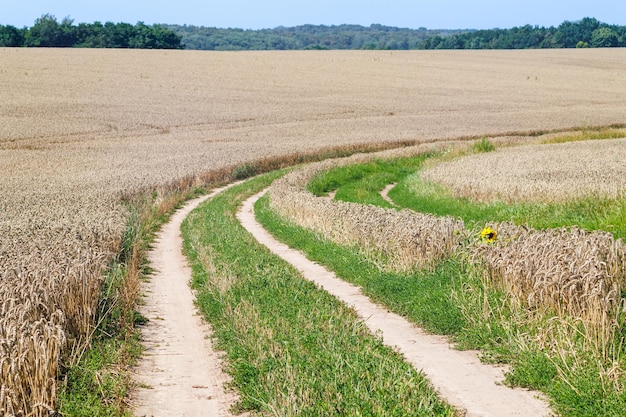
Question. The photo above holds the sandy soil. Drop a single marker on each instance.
(384, 193)
(180, 374)
(459, 376)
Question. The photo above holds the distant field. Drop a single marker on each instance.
(546, 173)
(81, 128)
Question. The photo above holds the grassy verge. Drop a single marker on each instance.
(96, 378)
(292, 349)
(547, 352)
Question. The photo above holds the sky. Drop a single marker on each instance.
(259, 14)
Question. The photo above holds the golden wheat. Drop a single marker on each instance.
(544, 173)
(82, 130)
(570, 271)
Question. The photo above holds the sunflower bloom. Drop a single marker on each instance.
(488, 235)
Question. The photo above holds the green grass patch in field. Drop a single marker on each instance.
(588, 134)
(484, 145)
(292, 349)
(362, 182)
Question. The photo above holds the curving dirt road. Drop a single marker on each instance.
(459, 376)
(179, 374)
(384, 193)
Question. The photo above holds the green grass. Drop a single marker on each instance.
(362, 183)
(484, 145)
(98, 385)
(292, 349)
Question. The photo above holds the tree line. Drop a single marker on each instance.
(47, 31)
(306, 37)
(588, 32)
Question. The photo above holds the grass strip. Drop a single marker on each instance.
(292, 349)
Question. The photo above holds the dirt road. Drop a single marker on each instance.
(180, 373)
(182, 376)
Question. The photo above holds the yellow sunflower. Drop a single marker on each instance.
(488, 235)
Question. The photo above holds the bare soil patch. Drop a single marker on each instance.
(384, 193)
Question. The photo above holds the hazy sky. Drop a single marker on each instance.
(255, 14)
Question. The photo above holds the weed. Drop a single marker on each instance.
(485, 145)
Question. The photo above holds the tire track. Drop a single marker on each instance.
(179, 374)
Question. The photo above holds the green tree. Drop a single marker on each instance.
(48, 32)
(604, 37)
(118, 35)
(570, 33)
(10, 36)
(90, 35)
(154, 37)
(44, 33)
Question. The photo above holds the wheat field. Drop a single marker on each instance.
(547, 173)
(80, 130)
